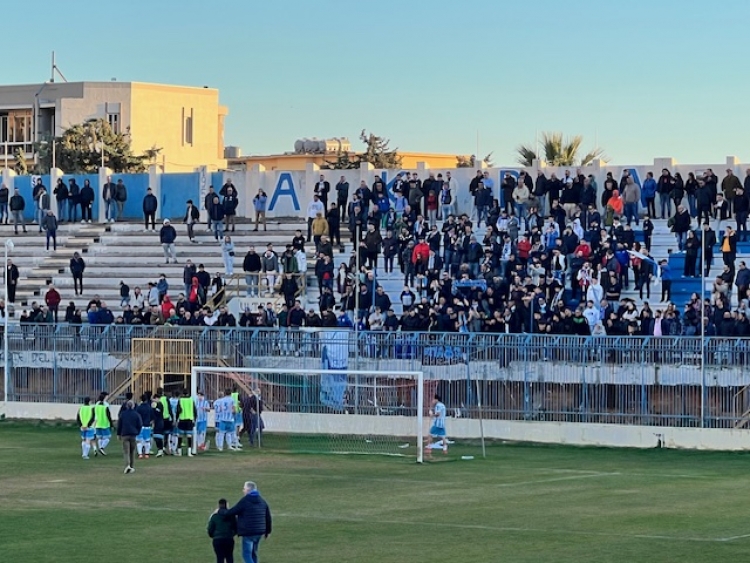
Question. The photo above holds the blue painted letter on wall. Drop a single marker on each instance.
(284, 187)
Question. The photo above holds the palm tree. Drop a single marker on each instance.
(558, 151)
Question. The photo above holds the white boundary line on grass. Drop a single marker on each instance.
(509, 528)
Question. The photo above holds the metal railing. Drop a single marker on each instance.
(657, 381)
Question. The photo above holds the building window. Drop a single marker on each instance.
(187, 126)
(15, 130)
(112, 112)
(114, 122)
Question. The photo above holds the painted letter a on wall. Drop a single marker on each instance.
(280, 203)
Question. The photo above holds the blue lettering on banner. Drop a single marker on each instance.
(284, 187)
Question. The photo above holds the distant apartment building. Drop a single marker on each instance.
(187, 123)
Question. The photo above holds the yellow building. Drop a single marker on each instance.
(299, 161)
(187, 123)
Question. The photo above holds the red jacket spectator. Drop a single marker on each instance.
(421, 252)
(584, 248)
(52, 298)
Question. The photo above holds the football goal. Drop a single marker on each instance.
(324, 410)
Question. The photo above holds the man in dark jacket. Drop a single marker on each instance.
(251, 266)
(129, 425)
(17, 206)
(167, 236)
(150, 204)
(253, 521)
(222, 529)
(74, 198)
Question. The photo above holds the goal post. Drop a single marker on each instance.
(326, 410)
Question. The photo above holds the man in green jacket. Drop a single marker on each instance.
(222, 529)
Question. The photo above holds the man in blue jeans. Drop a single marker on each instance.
(253, 521)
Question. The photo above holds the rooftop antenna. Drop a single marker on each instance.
(56, 70)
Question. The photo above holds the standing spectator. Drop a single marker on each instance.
(664, 188)
(446, 199)
(648, 194)
(188, 273)
(342, 196)
(109, 197)
(253, 520)
(17, 206)
(227, 254)
(666, 281)
(208, 203)
(680, 224)
(216, 218)
(230, 204)
(741, 208)
(372, 243)
(150, 204)
(319, 228)
(52, 299)
(121, 196)
(259, 204)
(313, 208)
(38, 187)
(729, 248)
(334, 225)
(12, 274)
(729, 186)
(87, 200)
(704, 198)
(74, 199)
(692, 248)
(251, 266)
(4, 198)
(125, 294)
(49, 224)
(42, 205)
(77, 266)
(270, 262)
(167, 237)
(322, 188)
(222, 529)
(631, 197)
(192, 216)
(708, 241)
(129, 425)
(60, 191)
(691, 187)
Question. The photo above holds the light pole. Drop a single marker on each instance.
(6, 356)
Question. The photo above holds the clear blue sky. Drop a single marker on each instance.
(647, 78)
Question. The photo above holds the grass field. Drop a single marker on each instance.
(522, 504)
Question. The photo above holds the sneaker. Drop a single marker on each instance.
(127, 470)
(96, 453)
(85, 457)
(190, 453)
(89, 221)
(101, 451)
(83, 221)
(160, 453)
(219, 449)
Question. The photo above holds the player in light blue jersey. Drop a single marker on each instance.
(202, 407)
(225, 410)
(437, 430)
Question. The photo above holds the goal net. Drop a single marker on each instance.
(321, 410)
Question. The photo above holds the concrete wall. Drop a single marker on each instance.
(290, 191)
(574, 434)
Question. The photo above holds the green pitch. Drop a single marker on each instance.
(522, 504)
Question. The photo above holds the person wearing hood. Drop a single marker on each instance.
(578, 229)
(222, 529)
(631, 196)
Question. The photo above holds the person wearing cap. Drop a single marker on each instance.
(167, 237)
